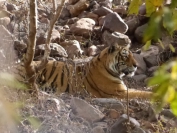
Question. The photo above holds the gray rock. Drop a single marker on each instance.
(41, 37)
(6, 46)
(168, 113)
(138, 130)
(139, 78)
(55, 37)
(117, 2)
(139, 32)
(120, 125)
(115, 37)
(114, 23)
(97, 129)
(56, 50)
(151, 70)
(19, 46)
(152, 115)
(150, 56)
(82, 109)
(5, 21)
(72, 48)
(132, 25)
(108, 102)
(102, 11)
(141, 64)
(121, 10)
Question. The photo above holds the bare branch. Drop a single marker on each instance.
(32, 33)
(30, 70)
(48, 40)
(54, 5)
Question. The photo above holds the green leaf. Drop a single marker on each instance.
(168, 22)
(161, 44)
(173, 105)
(150, 8)
(170, 94)
(172, 48)
(134, 6)
(173, 4)
(147, 45)
(153, 31)
(34, 122)
(9, 80)
(159, 79)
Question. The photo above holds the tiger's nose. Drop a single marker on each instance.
(135, 65)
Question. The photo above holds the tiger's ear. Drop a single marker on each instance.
(111, 49)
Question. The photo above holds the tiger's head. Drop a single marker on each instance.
(119, 61)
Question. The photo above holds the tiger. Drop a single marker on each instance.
(101, 76)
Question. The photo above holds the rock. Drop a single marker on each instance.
(72, 20)
(72, 1)
(151, 70)
(11, 7)
(92, 50)
(150, 56)
(102, 11)
(117, 2)
(139, 32)
(44, 20)
(3, 6)
(82, 109)
(55, 37)
(7, 43)
(109, 103)
(113, 114)
(141, 64)
(56, 50)
(72, 48)
(97, 129)
(132, 25)
(5, 21)
(52, 104)
(142, 9)
(19, 46)
(79, 7)
(83, 26)
(153, 117)
(102, 124)
(41, 37)
(139, 78)
(168, 113)
(115, 37)
(65, 13)
(121, 126)
(138, 130)
(106, 3)
(114, 23)
(91, 15)
(4, 13)
(121, 10)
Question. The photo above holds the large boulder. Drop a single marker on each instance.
(115, 37)
(83, 26)
(114, 23)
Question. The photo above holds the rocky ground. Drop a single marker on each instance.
(84, 28)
